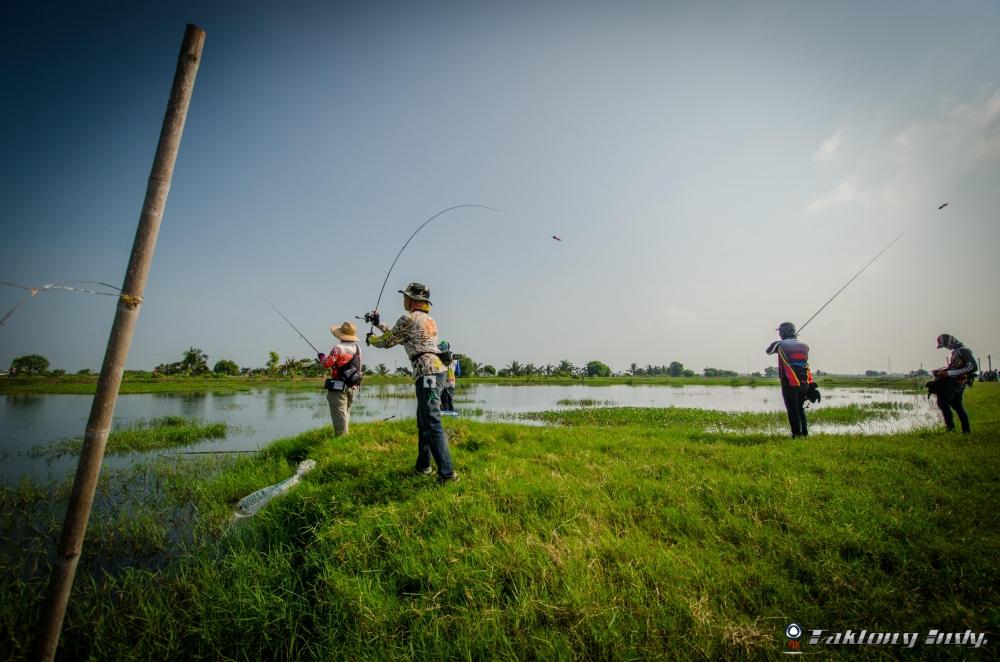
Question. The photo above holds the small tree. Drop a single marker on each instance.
(676, 369)
(272, 362)
(486, 370)
(403, 371)
(597, 369)
(30, 364)
(468, 367)
(226, 367)
(770, 371)
(381, 370)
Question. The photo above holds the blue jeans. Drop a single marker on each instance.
(433, 442)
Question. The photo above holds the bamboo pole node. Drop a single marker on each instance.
(131, 300)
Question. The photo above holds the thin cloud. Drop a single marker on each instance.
(845, 193)
(829, 148)
(964, 136)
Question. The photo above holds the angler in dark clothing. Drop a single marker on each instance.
(796, 378)
(952, 379)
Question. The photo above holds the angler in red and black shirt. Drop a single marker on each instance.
(793, 369)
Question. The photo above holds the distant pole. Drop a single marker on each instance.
(102, 411)
(989, 357)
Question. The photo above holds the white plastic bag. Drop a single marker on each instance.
(249, 505)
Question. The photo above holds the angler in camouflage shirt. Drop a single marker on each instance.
(416, 331)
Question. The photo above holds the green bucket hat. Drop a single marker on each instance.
(417, 292)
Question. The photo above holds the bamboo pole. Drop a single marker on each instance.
(127, 313)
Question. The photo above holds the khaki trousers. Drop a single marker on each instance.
(340, 410)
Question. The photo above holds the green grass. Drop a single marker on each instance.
(142, 435)
(699, 420)
(612, 536)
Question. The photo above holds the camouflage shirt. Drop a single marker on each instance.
(416, 331)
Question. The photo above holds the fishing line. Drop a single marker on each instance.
(381, 291)
(56, 286)
(292, 325)
(870, 262)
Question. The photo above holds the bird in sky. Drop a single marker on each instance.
(556, 238)
(942, 206)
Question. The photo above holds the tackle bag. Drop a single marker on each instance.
(348, 375)
(812, 393)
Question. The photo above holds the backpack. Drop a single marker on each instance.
(350, 373)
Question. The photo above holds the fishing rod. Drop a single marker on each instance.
(367, 316)
(292, 325)
(870, 262)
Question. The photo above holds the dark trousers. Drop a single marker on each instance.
(795, 400)
(433, 442)
(446, 402)
(950, 398)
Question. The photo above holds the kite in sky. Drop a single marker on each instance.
(942, 206)
(556, 238)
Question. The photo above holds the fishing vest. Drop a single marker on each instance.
(793, 362)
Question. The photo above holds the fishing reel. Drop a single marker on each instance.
(369, 318)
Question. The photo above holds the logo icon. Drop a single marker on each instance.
(793, 632)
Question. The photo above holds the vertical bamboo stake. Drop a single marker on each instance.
(102, 411)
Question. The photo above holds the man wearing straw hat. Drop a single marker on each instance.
(417, 332)
(344, 362)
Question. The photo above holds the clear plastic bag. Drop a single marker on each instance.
(251, 504)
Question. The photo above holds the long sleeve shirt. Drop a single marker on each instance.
(416, 331)
(793, 361)
(960, 364)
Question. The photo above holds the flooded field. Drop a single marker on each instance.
(258, 417)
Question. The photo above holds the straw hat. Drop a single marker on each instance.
(346, 331)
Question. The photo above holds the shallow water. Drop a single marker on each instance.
(263, 415)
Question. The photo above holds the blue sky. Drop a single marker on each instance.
(713, 170)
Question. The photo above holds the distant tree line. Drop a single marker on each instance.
(194, 362)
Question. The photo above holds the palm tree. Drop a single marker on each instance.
(289, 367)
(514, 368)
(194, 361)
(381, 370)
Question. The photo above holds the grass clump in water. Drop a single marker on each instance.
(143, 435)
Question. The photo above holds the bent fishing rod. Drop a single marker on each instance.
(367, 317)
(292, 325)
(870, 262)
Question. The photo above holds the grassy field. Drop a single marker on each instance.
(613, 534)
(86, 385)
